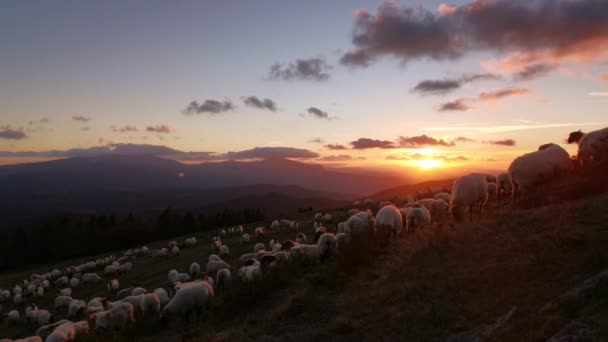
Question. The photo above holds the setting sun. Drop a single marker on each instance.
(428, 163)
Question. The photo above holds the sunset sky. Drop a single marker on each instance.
(421, 83)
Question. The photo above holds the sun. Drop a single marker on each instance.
(428, 163)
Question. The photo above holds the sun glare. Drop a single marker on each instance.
(428, 163)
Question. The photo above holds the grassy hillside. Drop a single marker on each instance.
(427, 286)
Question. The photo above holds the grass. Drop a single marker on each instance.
(425, 286)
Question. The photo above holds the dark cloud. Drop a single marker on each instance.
(313, 69)
(454, 105)
(254, 101)
(80, 118)
(365, 143)
(211, 107)
(464, 139)
(452, 159)
(164, 129)
(272, 152)
(316, 140)
(317, 113)
(540, 30)
(336, 158)
(441, 87)
(422, 140)
(124, 129)
(335, 147)
(499, 94)
(8, 133)
(530, 72)
(504, 142)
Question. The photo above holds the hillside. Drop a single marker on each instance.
(404, 190)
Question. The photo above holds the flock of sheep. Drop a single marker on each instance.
(190, 293)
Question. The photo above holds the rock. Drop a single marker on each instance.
(484, 332)
(574, 331)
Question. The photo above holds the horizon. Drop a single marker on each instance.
(91, 76)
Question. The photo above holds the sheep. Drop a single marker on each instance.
(274, 226)
(442, 195)
(489, 178)
(13, 317)
(46, 330)
(159, 254)
(240, 230)
(352, 212)
(195, 269)
(214, 257)
(224, 251)
(162, 295)
(318, 217)
(110, 270)
(417, 217)
(301, 238)
(340, 241)
(244, 238)
(76, 307)
(31, 315)
(61, 282)
(326, 245)
(95, 305)
(172, 244)
(250, 273)
(259, 233)
(592, 146)
(28, 339)
(191, 242)
(536, 168)
(138, 291)
(360, 222)
(389, 220)
(492, 191)
(115, 319)
(5, 295)
(55, 273)
(17, 299)
(440, 211)
(68, 332)
(113, 286)
(194, 298)
(468, 190)
(66, 292)
(383, 204)
(171, 274)
(258, 247)
(126, 267)
(276, 247)
(150, 305)
(327, 218)
(134, 300)
(224, 280)
(90, 278)
(504, 186)
(39, 292)
(124, 293)
(175, 251)
(43, 317)
(214, 266)
(74, 282)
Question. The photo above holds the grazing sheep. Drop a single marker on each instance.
(536, 168)
(417, 217)
(138, 291)
(111, 270)
(13, 317)
(245, 238)
(134, 300)
(159, 254)
(318, 217)
(258, 247)
(275, 225)
(95, 305)
(214, 257)
(259, 233)
(121, 294)
(126, 267)
(592, 146)
(442, 195)
(113, 286)
(31, 315)
(504, 184)
(60, 282)
(301, 238)
(175, 251)
(250, 273)
(90, 278)
(191, 242)
(74, 282)
(468, 191)
(352, 212)
(115, 319)
(76, 307)
(66, 292)
(68, 332)
(389, 220)
(194, 298)
(195, 269)
(440, 211)
(360, 222)
(492, 191)
(224, 280)
(224, 251)
(326, 245)
(62, 303)
(150, 305)
(214, 266)
(163, 296)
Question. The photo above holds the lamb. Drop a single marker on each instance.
(115, 319)
(195, 269)
(163, 296)
(150, 305)
(191, 242)
(492, 191)
(301, 238)
(592, 146)
(224, 251)
(389, 220)
(224, 280)
(468, 191)
(190, 299)
(536, 168)
(259, 233)
(90, 278)
(175, 251)
(417, 217)
(504, 186)
(244, 238)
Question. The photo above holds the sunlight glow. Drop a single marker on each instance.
(428, 163)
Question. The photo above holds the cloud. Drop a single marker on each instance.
(211, 107)
(418, 156)
(335, 147)
(604, 78)
(598, 93)
(80, 118)
(313, 69)
(422, 140)
(254, 101)
(441, 87)
(124, 129)
(272, 152)
(336, 158)
(504, 142)
(463, 139)
(397, 157)
(164, 129)
(8, 133)
(454, 105)
(512, 128)
(316, 140)
(114, 149)
(464, 103)
(530, 72)
(543, 30)
(365, 143)
(85, 128)
(317, 113)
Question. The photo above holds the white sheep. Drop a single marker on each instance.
(440, 211)
(150, 305)
(74, 282)
(301, 238)
(90, 278)
(417, 217)
(138, 291)
(592, 146)
(504, 186)
(536, 168)
(68, 332)
(115, 319)
(224, 280)
(76, 307)
(352, 212)
(259, 233)
(66, 292)
(191, 242)
(327, 218)
(258, 247)
(442, 195)
(113, 285)
(360, 222)
(224, 251)
(250, 273)
(389, 220)
(163, 296)
(190, 299)
(175, 251)
(126, 267)
(275, 225)
(195, 269)
(61, 282)
(245, 238)
(13, 317)
(214, 257)
(134, 300)
(318, 217)
(95, 305)
(214, 266)
(468, 191)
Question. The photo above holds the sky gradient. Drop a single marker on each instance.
(231, 76)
